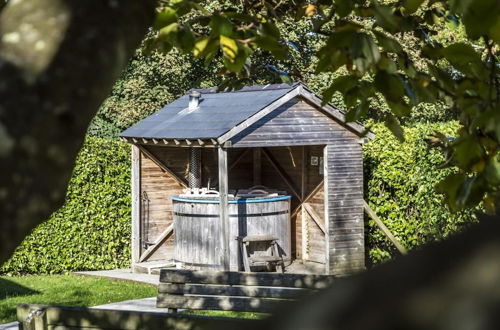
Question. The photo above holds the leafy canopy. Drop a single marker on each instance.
(362, 40)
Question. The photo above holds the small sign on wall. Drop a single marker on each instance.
(318, 161)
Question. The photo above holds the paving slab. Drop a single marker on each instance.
(123, 274)
(10, 326)
(139, 305)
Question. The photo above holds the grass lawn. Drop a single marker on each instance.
(69, 290)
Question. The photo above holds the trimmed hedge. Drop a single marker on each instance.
(400, 188)
(92, 230)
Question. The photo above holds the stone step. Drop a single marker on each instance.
(152, 267)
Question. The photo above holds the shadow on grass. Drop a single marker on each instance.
(9, 289)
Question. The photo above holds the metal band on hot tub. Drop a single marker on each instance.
(236, 201)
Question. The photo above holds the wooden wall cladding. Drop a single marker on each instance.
(345, 208)
(157, 189)
(294, 123)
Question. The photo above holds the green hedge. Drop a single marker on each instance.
(92, 230)
(400, 181)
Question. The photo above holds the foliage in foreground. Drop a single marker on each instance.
(400, 187)
(92, 230)
(363, 44)
(65, 290)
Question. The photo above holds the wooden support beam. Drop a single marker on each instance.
(136, 204)
(281, 172)
(157, 243)
(307, 198)
(315, 216)
(239, 158)
(223, 207)
(305, 237)
(324, 183)
(164, 167)
(257, 166)
(384, 229)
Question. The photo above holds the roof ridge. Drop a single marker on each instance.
(253, 88)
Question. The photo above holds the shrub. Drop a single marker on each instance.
(400, 187)
(92, 229)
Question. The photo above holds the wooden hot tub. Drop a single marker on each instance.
(197, 238)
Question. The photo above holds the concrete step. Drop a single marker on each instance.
(152, 267)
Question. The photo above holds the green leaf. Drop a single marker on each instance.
(411, 6)
(386, 19)
(357, 112)
(492, 171)
(343, 7)
(221, 26)
(272, 45)
(165, 17)
(270, 29)
(461, 54)
(394, 126)
(229, 47)
(388, 44)
(390, 85)
(340, 84)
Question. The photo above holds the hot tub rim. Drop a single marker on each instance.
(235, 201)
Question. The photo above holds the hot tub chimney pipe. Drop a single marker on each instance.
(194, 100)
(194, 176)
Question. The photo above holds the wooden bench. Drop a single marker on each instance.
(41, 317)
(233, 291)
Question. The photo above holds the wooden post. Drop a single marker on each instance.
(136, 204)
(384, 229)
(303, 223)
(223, 207)
(257, 167)
(327, 216)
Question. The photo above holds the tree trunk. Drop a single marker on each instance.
(58, 61)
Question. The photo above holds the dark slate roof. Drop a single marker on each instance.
(217, 113)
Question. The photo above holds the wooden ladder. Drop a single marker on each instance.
(274, 258)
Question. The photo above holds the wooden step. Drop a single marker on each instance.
(258, 238)
(264, 259)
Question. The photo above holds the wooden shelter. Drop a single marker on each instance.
(278, 136)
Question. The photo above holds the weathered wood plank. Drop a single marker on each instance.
(164, 167)
(225, 303)
(257, 166)
(344, 193)
(315, 217)
(157, 243)
(245, 279)
(227, 290)
(136, 204)
(90, 318)
(223, 208)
